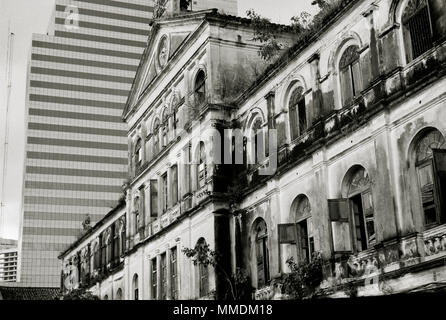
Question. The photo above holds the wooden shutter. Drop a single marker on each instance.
(339, 212)
(357, 81)
(287, 233)
(440, 181)
(346, 85)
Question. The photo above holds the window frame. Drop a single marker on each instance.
(355, 85)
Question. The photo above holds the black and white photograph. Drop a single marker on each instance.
(191, 151)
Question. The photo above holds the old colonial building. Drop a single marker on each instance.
(357, 108)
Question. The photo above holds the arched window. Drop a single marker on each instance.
(350, 74)
(418, 29)
(156, 145)
(203, 269)
(105, 297)
(359, 194)
(119, 294)
(202, 166)
(138, 153)
(430, 164)
(298, 113)
(305, 238)
(135, 286)
(200, 88)
(261, 252)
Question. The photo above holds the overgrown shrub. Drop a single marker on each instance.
(304, 279)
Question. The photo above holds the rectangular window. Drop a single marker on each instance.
(163, 267)
(165, 193)
(154, 280)
(174, 184)
(153, 198)
(173, 274)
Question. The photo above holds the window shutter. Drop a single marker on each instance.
(339, 211)
(287, 233)
(346, 86)
(440, 181)
(357, 81)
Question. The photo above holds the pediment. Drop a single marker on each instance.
(166, 38)
(166, 47)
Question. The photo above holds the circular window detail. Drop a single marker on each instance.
(163, 51)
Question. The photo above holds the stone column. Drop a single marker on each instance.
(318, 107)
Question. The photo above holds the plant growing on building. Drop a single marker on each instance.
(238, 283)
(303, 280)
(302, 25)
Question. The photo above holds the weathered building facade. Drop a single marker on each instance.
(358, 109)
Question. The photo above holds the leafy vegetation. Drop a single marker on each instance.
(238, 283)
(78, 294)
(304, 279)
(302, 25)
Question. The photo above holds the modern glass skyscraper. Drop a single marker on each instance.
(79, 77)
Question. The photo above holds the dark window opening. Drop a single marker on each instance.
(163, 266)
(173, 274)
(261, 251)
(154, 279)
(298, 113)
(165, 193)
(200, 88)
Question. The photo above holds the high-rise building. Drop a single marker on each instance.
(79, 77)
(8, 265)
(7, 243)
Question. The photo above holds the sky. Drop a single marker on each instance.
(25, 17)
